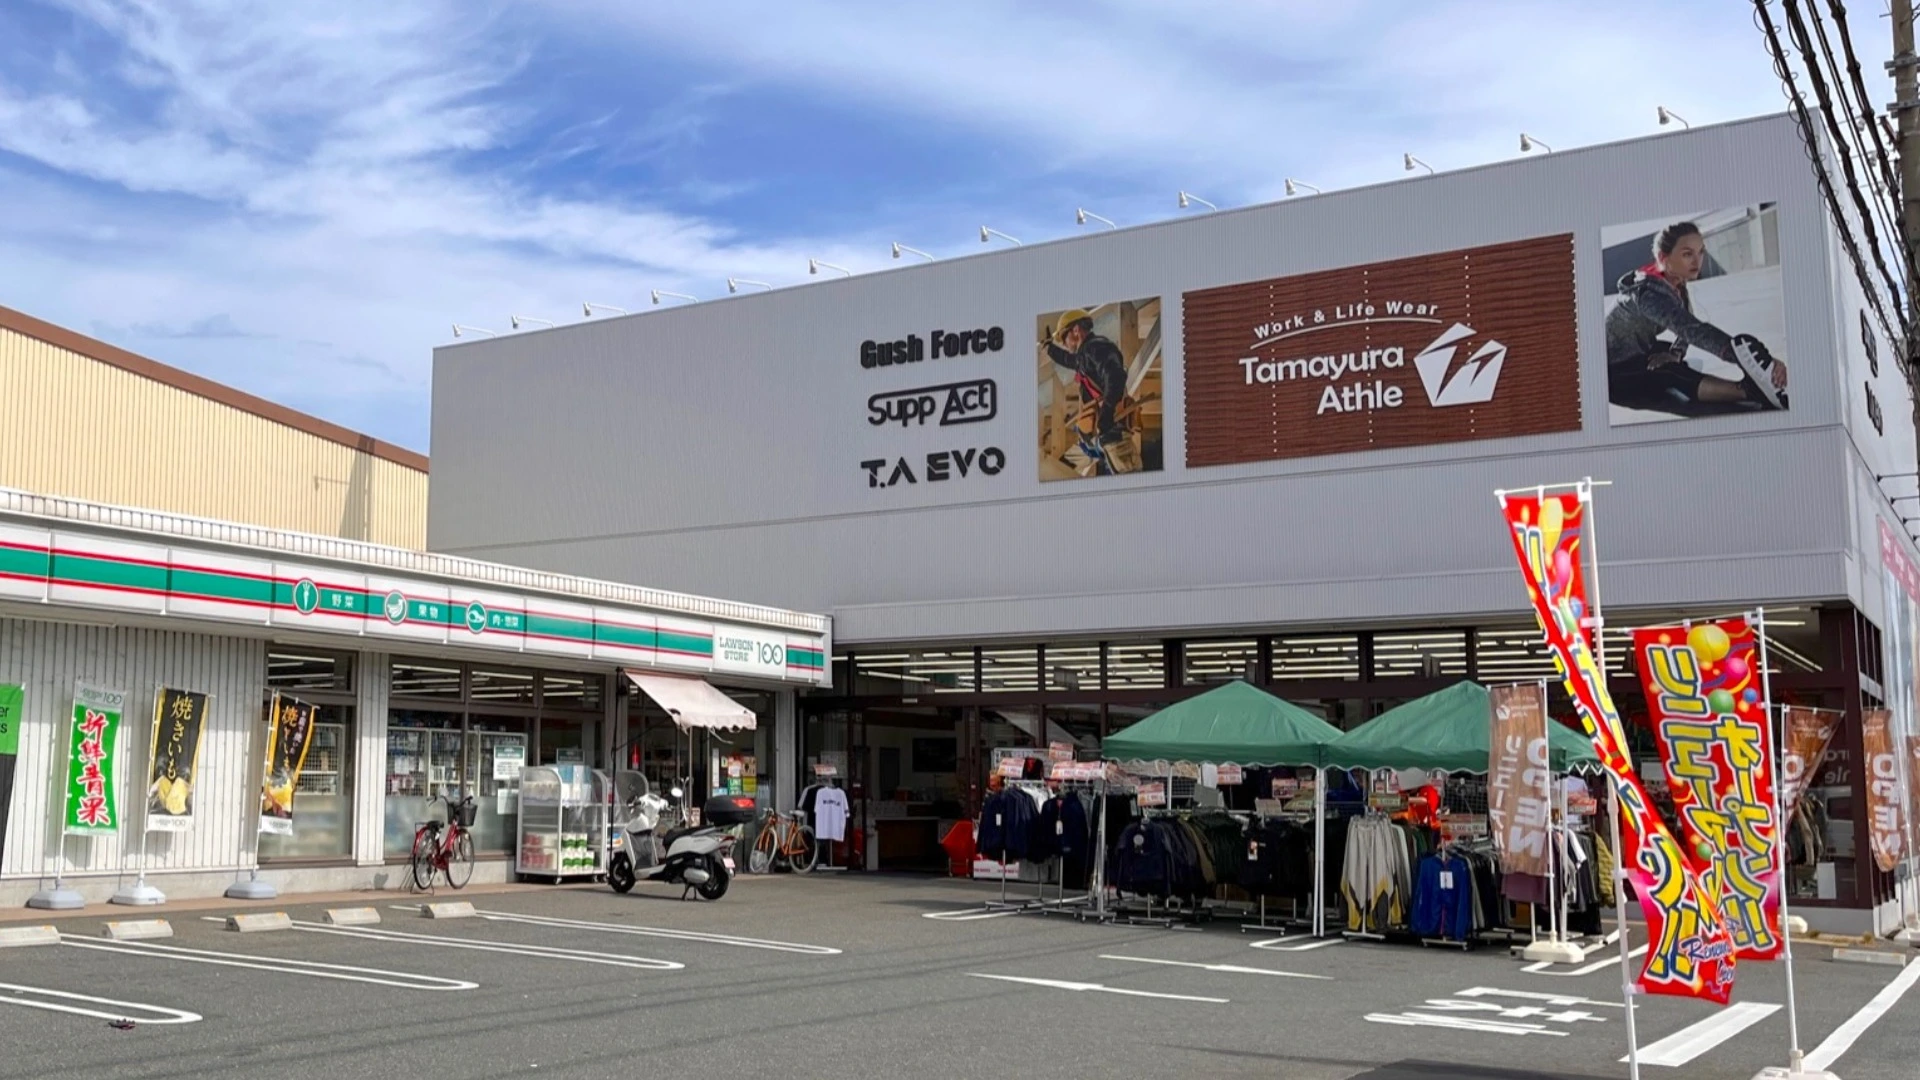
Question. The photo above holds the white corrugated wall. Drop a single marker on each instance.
(48, 657)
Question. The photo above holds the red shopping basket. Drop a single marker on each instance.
(959, 845)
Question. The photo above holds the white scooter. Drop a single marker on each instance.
(696, 857)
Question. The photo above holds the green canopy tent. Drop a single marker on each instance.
(1238, 724)
(1235, 724)
(1449, 731)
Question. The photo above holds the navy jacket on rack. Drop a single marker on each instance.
(1006, 825)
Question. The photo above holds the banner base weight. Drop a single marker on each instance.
(56, 899)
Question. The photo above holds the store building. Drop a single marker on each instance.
(83, 419)
(430, 675)
(1044, 490)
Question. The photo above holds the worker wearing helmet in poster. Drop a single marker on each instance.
(1102, 423)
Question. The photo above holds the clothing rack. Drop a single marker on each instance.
(1006, 903)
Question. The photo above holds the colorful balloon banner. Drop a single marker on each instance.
(1710, 720)
(1886, 826)
(1690, 953)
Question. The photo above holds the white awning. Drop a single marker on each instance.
(694, 702)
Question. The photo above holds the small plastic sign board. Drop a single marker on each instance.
(1012, 767)
(1269, 807)
(1153, 794)
(1583, 805)
(1389, 801)
(1078, 770)
(1229, 775)
(826, 768)
(1060, 751)
(1464, 826)
(1285, 787)
(990, 870)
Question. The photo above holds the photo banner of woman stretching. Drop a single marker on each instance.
(1695, 315)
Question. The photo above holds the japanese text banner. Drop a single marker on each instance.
(1710, 721)
(1690, 953)
(1519, 781)
(289, 733)
(92, 803)
(179, 716)
(1886, 827)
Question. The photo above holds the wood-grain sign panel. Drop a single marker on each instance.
(1473, 344)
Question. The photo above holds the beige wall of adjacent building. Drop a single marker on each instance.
(83, 419)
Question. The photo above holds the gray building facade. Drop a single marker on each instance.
(1280, 464)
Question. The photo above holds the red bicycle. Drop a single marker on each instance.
(445, 848)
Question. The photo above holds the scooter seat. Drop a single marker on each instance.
(675, 834)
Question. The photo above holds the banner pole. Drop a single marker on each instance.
(141, 894)
(1796, 1058)
(253, 888)
(1620, 856)
(1320, 851)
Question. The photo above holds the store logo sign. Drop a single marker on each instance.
(476, 618)
(970, 402)
(396, 607)
(1473, 384)
(306, 596)
(938, 466)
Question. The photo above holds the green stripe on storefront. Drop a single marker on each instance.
(90, 570)
(626, 637)
(549, 626)
(32, 564)
(805, 657)
(696, 644)
(212, 585)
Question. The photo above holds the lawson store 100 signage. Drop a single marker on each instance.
(83, 569)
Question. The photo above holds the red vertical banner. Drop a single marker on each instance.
(1690, 953)
(1704, 697)
(1886, 824)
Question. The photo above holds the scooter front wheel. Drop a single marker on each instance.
(620, 874)
(717, 881)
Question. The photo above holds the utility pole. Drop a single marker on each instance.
(1905, 68)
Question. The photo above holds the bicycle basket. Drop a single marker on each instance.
(465, 811)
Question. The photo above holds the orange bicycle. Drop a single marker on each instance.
(783, 839)
(445, 849)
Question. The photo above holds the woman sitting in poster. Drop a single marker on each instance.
(1653, 325)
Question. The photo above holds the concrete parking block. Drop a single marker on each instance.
(139, 929)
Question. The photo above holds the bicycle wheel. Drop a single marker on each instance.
(424, 845)
(760, 859)
(802, 850)
(460, 861)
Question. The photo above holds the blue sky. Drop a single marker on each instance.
(299, 198)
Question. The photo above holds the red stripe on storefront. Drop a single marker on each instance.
(124, 560)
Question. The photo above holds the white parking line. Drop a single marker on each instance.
(661, 932)
(1461, 1023)
(159, 1014)
(1235, 969)
(1598, 965)
(1273, 944)
(1846, 1034)
(1061, 984)
(1695, 1039)
(279, 965)
(539, 952)
(966, 915)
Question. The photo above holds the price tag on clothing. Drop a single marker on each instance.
(1059, 828)
(1446, 879)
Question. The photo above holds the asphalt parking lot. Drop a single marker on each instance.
(845, 976)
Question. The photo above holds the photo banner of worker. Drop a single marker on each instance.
(13, 700)
(1808, 733)
(1689, 953)
(289, 733)
(93, 739)
(1519, 779)
(1886, 812)
(1704, 696)
(1100, 410)
(179, 717)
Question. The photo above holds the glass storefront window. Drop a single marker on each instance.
(435, 679)
(1010, 669)
(1136, 665)
(423, 763)
(1422, 654)
(496, 752)
(1121, 717)
(500, 686)
(323, 800)
(585, 693)
(1510, 654)
(564, 740)
(1316, 657)
(910, 674)
(298, 671)
(1073, 667)
(1077, 724)
(1222, 661)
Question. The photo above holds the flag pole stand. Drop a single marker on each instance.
(1620, 856)
(1796, 1058)
(60, 897)
(139, 894)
